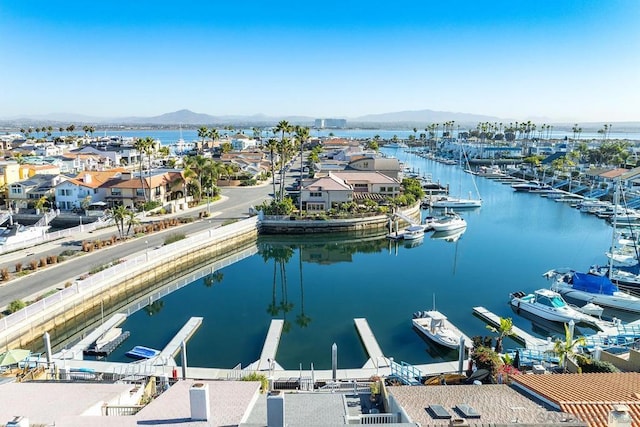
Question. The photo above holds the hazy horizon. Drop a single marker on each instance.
(569, 61)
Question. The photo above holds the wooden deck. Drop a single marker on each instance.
(527, 339)
(376, 357)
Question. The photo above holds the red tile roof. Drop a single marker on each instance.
(589, 396)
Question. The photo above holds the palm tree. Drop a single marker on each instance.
(132, 220)
(119, 214)
(272, 145)
(194, 166)
(302, 135)
(144, 146)
(214, 135)
(565, 349)
(203, 132)
(504, 330)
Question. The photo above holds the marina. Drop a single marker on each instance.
(312, 279)
(376, 357)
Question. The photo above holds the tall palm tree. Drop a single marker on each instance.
(144, 146)
(302, 135)
(194, 166)
(272, 145)
(214, 135)
(132, 220)
(203, 132)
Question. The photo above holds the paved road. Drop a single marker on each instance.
(234, 204)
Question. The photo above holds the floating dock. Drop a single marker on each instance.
(267, 359)
(171, 350)
(529, 340)
(376, 358)
(108, 348)
(77, 351)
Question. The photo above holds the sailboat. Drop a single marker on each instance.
(460, 202)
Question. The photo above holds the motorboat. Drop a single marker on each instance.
(142, 352)
(413, 232)
(435, 326)
(450, 221)
(549, 305)
(592, 288)
(532, 186)
(456, 202)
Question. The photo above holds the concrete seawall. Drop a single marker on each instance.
(116, 287)
(284, 225)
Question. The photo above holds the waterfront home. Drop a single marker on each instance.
(75, 162)
(129, 190)
(253, 163)
(328, 191)
(71, 193)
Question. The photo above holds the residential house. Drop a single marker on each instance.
(241, 142)
(9, 172)
(39, 169)
(366, 184)
(129, 190)
(76, 162)
(325, 193)
(389, 166)
(23, 194)
(71, 193)
(251, 162)
(590, 397)
(328, 191)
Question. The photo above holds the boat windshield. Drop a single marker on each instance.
(557, 301)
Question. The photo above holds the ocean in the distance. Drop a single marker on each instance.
(320, 284)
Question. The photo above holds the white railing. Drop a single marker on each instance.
(95, 283)
(378, 419)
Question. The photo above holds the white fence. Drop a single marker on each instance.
(101, 222)
(96, 283)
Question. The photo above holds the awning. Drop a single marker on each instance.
(13, 357)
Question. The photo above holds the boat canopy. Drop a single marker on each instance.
(593, 284)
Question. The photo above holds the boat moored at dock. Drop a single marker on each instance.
(435, 326)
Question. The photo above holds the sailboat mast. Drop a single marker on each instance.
(616, 200)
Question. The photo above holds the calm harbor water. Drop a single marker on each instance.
(320, 284)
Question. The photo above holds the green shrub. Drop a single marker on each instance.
(173, 238)
(16, 305)
(589, 365)
(264, 383)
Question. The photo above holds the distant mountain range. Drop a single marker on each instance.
(188, 118)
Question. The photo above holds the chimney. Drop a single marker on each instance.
(275, 409)
(199, 402)
(87, 178)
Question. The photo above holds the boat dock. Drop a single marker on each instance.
(376, 358)
(77, 350)
(171, 350)
(529, 340)
(267, 359)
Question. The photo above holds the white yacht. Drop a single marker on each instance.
(549, 305)
(450, 221)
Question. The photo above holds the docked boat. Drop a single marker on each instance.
(456, 202)
(141, 352)
(109, 336)
(593, 288)
(549, 305)
(450, 221)
(413, 232)
(532, 186)
(435, 326)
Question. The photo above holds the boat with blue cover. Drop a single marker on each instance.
(594, 288)
(142, 352)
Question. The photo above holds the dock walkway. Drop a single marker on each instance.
(267, 359)
(529, 340)
(77, 350)
(376, 357)
(170, 350)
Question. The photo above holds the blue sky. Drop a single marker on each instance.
(571, 60)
